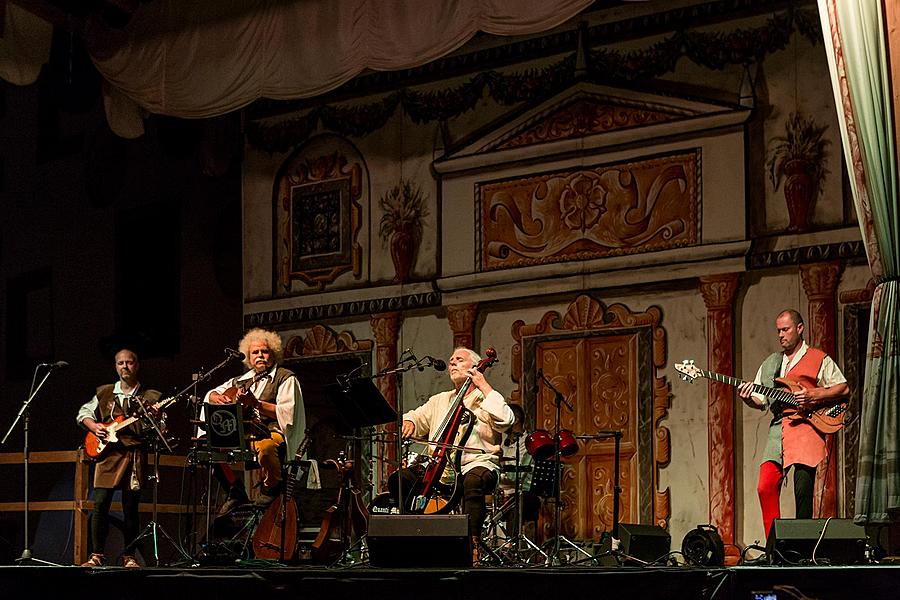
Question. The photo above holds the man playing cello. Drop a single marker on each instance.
(481, 458)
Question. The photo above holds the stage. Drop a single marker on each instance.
(538, 582)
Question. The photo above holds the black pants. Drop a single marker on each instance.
(804, 484)
(477, 483)
(103, 497)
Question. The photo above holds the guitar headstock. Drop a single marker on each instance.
(689, 371)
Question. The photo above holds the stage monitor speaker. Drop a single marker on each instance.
(792, 541)
(647, 543)
(419, 541)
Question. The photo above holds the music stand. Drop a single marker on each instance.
(614, 541)
(520, 539)
(359, 403)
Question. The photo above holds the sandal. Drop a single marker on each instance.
(130, 562)
(96, 560)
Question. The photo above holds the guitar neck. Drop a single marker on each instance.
(784, 396)
(158, 406)
(295, 473)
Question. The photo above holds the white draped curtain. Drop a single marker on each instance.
(857, 46)
(24, 44)
(207, 57)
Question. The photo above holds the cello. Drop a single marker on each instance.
(440, 488)
(275, 537)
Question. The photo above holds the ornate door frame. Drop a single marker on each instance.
(587, 317)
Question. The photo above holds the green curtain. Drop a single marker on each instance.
(857, 56)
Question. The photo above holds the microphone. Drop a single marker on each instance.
(537, 382)
(60, 364)
(234, 354)
(344, 380)
(437, 363)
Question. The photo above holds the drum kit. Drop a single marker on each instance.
(532, 471)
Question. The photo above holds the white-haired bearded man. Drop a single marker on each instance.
(481, 461)
(280, 405)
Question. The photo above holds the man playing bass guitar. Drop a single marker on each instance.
(793, 442)
(120, 466)
(480, 460)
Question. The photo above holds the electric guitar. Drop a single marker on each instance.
(826, 420)
(94, 446)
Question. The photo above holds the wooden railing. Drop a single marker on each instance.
(80, 505)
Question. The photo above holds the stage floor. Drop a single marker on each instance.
(541, 583)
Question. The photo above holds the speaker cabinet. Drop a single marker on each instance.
(792, 541)
(647, 543)
(419, 541)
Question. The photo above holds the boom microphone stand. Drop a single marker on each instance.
(554, 553)
(27, 558)
(404, 365)
(196, 407)
(153, 529)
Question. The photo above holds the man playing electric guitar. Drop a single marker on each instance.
(120, 465)
(793, 442)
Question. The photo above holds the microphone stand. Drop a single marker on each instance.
(196, 407)
(27, 558)
(153, 528)
(554, 552)
(406, 364)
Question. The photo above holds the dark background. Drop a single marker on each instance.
(105, 240)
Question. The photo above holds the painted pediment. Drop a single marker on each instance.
(588, 115)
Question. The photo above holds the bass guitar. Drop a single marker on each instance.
(826, 420)
(275, 537)
(94, 446)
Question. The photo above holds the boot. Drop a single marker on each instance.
(236, 497)
(267, 496)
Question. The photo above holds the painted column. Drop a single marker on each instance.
(718, 294)
(385, 327)
(462, 322)
(820, 282)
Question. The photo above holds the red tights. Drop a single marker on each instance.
(769, 490)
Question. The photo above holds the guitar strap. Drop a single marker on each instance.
(770, 369)
(110, 409)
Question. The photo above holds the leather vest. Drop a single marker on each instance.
(110, 409)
